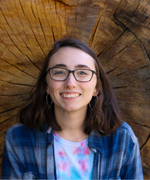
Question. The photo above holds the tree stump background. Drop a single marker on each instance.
(117, 30)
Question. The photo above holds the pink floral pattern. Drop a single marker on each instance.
(74, 160)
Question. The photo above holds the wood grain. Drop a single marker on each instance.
(117, 30)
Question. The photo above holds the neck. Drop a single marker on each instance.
(72, 124)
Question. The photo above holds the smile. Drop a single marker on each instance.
(70, 95)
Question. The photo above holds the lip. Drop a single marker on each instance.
(70, 94)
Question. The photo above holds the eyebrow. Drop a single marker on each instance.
(81, 66)
(60, 65)
(77, 66)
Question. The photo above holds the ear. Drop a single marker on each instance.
(95, 92)
(47, 90)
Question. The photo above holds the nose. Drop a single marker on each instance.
(70, 81)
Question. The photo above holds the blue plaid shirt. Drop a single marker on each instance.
(29, 154)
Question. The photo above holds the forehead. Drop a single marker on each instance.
(71, 57)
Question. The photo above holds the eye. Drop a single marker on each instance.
(83, 72)
(58, 72)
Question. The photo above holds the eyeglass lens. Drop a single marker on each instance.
(60, 74)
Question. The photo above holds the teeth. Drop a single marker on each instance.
(70, 95)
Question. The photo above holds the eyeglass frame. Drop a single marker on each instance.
(71, 71)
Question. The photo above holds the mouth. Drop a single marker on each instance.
(70, 95)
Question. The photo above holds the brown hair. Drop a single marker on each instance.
(103, 115)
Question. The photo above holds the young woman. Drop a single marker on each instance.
(70, 128)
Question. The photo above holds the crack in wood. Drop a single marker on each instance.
(53, 34)
(2, 143)
(22, 8)
(31, 28)
(114, 42)
(144, 66)
(67, 4)
(111, 70)
(12, 95)
(53, 23)
(43, 33)
(18, 68)
(7, 46)
(117, 7)
(8, 119)
(66, 20)
(9, 35)
(134, 35)
(27, 85)
(128, 68)
(120, 87)
(107, 37)
(23, 39)
(16, 46)
(13, 104)
(7, 103)
(10, 110)
(116, 53)
(135, 91)
(145, 142)
(96, 26)
(33, 10)
(121, 64)
(7, 22)
(147, 89)
(127, 46)
(58, 15)
(142, 125)
(42, 26)
(146, 79)
(7, 72)
(135, 10)
(17, 29)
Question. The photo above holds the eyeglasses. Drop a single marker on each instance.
(61, 74)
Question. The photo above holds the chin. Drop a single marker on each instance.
(74, 108)
(70, 109)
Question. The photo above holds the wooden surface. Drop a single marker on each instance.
(117, 30)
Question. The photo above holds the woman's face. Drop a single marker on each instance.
(71, 95)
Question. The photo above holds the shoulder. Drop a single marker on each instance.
(14, 128)
(126, 131)
(124, 136)
(20, 132)
(121, 139)
(18, 128)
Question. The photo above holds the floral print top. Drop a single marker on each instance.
(74, 160)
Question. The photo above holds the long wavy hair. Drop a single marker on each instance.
(103, 113)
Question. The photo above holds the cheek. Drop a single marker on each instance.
(50, 91)
(50, 86)
(94, 86)
(53, 87)
(91, 88)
